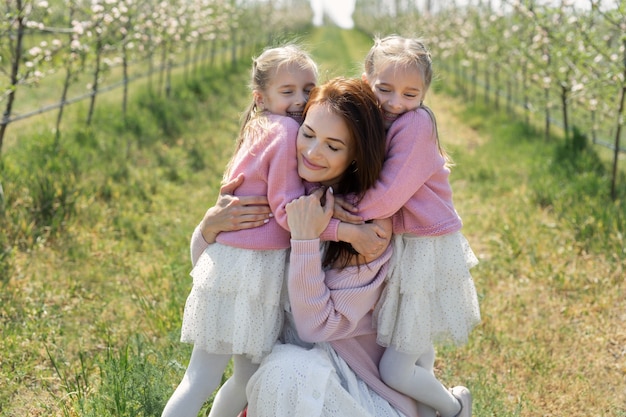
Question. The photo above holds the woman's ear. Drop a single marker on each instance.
(364, 78)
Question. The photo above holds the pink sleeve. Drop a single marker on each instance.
(330, 233)
(283, 182)
(412, 158)
(197, 245)
(329, 305)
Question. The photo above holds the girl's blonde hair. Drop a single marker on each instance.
(404, 53)
(264, 67)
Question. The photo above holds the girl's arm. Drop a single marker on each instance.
(283, 182)
(369, 239)
(412, 158)
(229, 213)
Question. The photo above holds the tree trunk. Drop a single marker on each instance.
(15, 66)
(66, 85)
(546, 91)
(618, 133)
(96, 76)
(564, 90)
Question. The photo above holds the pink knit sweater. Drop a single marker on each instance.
(336, 306)
(414, 184)
(270, 168)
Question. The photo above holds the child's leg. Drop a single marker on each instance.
(231, 398)
(427, 360)
(202, 377)
(400, 371)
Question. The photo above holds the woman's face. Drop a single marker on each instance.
(324, 146)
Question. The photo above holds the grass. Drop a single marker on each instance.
(552, 295)
(93, 289)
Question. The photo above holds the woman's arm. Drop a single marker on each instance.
(327, 305)
(229, 213)
(334, 304)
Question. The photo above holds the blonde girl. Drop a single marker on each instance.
(430, 296)
(233, 309)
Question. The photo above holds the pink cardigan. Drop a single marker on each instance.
(335, 306)
(270, 168)
(414, 184)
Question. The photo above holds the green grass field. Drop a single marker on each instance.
(94, 287)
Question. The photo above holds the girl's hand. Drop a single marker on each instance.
(306, 216)
(370, 239)
(234, 213)
(344, 211)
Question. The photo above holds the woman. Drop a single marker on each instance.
(328, 364)
(333, 291)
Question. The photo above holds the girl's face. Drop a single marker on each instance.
(399, 89)
(324, 146)
(288, 91)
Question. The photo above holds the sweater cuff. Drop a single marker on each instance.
(305, 247)
(197, 244)
(330, 233)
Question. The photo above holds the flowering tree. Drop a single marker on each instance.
(19, 65)
(91, 37)
(550, 55)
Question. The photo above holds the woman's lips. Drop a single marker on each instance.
(311, 165)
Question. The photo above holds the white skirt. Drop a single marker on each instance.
(430, 297)
(295, 381)
(234, 305)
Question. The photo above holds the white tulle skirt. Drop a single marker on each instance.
(234, 306)
(295, 381)
(430, 297)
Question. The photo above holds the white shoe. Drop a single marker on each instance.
(465, 399)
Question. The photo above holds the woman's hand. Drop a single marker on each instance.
(234, 213)
(306, 216)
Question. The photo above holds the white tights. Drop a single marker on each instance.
(202, 377)
(414, 376)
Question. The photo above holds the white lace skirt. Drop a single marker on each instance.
(430, 297)
(295, 381)
(234, 305)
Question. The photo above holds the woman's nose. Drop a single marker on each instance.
(312, 150)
